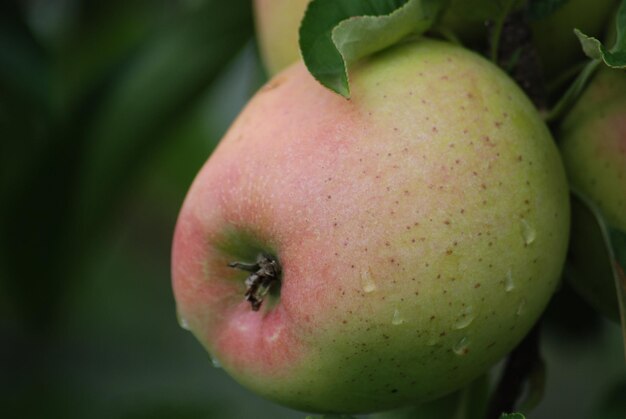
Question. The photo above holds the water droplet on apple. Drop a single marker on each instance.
(521, 308)
(183, 323)
(466, 318)
(397, 318)
(461, 347)
(528, 232)
(367, 283)
(508, 282)
(215, 362)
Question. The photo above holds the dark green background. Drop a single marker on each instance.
(107, 111)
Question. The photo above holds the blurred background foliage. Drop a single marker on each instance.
(107, 111)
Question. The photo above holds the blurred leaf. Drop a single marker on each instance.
(618, 242)
(102, 44)
(616, 56)
(176, 162)
(24, 100)
(618, 239)
(68, 172)
(476, 10)
(540, 9)
(162, 84)
(589, 267)
(536, 386)
(469, 22)
(571, 319)
(335, 33)
(24, 69)
(164, 410)
(512, 416)
(331, 417)
(613, 404)
(475, 398)
(615, 242)
(25, 149)
(573, 92)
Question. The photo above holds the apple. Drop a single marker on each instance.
(277, 25)
(593, 144)
(360, 255)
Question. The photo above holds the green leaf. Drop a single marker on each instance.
(618, 239)
(512, 416)
(615, 244)
(336, 33)
(589, 268)
(616, 56)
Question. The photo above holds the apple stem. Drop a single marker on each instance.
(264, 273)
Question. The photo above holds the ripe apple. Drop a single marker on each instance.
(593, 145)
(400, 242)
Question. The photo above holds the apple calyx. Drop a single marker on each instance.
(265, 272)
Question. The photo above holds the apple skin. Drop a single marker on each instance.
(421, 227)
(593, 145)
(277, 26)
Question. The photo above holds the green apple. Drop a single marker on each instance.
(593, 144)
(400, 242)
(277, 25)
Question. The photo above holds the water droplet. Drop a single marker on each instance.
(521, 308)
(397, 318)
(215, 362)
(461, 347)
(508, 282)
(432, 341)
(528, 232)
(183, 322)
(466, 318)
(367, 283)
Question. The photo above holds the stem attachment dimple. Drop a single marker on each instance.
(264, 273)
